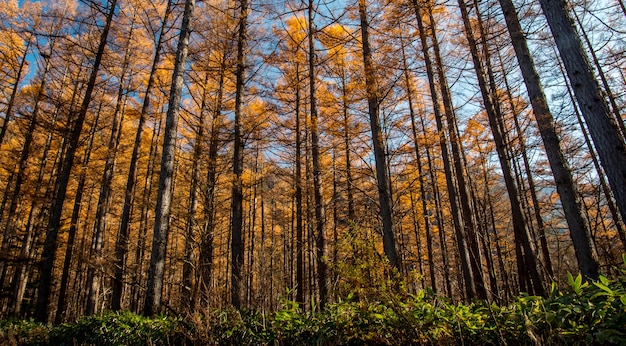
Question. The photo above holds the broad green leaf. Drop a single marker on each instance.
(604, 280)
(603, 287)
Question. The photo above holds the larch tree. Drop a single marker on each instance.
(320, 217)
(54, 223)
(526, 260)
(237, 249)
(597, 115)
(121, 244)
(382, 172)
(565, 184)
(165, 193)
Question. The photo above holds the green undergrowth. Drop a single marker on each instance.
(582, 313)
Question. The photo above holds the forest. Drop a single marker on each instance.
(178, 158)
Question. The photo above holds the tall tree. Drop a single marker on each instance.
(566, 187)
(237, 188)
(594, 108)
(382, 173)
(104, 198)
(121, 244)
(320, 237)
(54, 223)
(526, 260)
(164, 199)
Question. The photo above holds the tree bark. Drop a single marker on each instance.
(382, 175)
(237, 188)
(467, 269)
(565, 185)
(168, 157)
(18, 78)
(298, 199)
(526, 258)
(320, 217)
(54, 223)
(593, 106)
(104, 198)
(121, 243)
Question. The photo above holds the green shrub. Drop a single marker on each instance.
(22, 332)
(582, 313)
(119, 328)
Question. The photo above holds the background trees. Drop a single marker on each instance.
(319, 145)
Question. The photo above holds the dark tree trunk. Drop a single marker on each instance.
(601, 123)
(9, 111)
(298, 199)
(382, 175)
(52, 231)
(464, 251)
(526, 258)
(237, 188)
(420, 171)
(566, 187)
(104, 198)
(320, 217)
(189, 288)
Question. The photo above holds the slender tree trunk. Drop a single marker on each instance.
(69, 249)
(251, 232)
(18, 78)
(420, 171)
(527, 261)
(462, 177)
(20, 277)
(298, 199)
(320, 217)
(566, 187)
(52, 231)
(138, 283)
(605, 83)
(593, 106)
(237, 188)
(189, 288)
(121, 244)
(104, 198)
(205, 267)
(541, 229)
(30, 132)
(467, 269)
(168, 158)
(373, 103)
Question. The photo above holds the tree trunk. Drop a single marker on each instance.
(594, 109)
(168, 158)
(138, 283)
(69, 249)
(566, 187)
(605, 83)
(526, 258)
(20, 276)
(206, 243)
(9, 111)
(9, 230)
(420, 170)
(189, 288)
(52, 231)
(298, 199)
(467, 269)
(384, 189)
(320, 217)
(121, 243)
(104, 198)
(237, 188)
